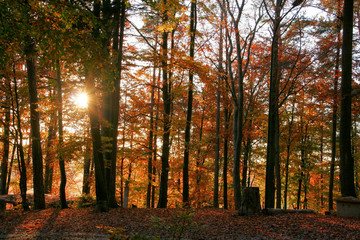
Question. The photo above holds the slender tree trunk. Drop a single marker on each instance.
(321, 168)
(20, 151)
(247, 150)
(151, 141)
(87, 163)
(346, 158)
(127, 189)
(218, 110)
(193, 22)
(334, 114)
(288, 148)
(167, 122)
(272, 156)
(50, 154)
(38, 179)
(11, 163)
(61, 141)
(226, 150)
(199, 163)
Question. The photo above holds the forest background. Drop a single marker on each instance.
(179, 103)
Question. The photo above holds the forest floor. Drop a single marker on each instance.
(141, 223)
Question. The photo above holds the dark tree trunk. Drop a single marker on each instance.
(38, 179)
(193, 22)
(272, 156)
(151, 141)
(226, 150)
(199, 162)
(335, 111)
(87, 163)
(113, 104)
(50, 154)
(218, 110)
(288, 148)
(346, 157)
(247, 152)
(100, 180)
(11, 163)
(20, 152)
(61, 141)
(6, 142)
(166, 90)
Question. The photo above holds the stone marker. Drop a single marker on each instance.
(348, 207)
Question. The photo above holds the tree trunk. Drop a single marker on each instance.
(247, 150)
(100, 180)
(334, 113)
(6, 142)
(50, 154)
(218, 110)
(61, 141)
(151, 141)
(167, 122)
(38, 179)
(346, 158)
(112, 107)
(87, 163)
(20, 151)
(272, 156)
(193, 22)
(199, 163)
(11, 163)
(288, 147)
(226, 150)
(127, 189)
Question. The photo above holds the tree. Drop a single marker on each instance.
(235, 81)
(6, 139)
(273, 147)
(346, 157)
(39, 197)
(166, 96)
(218, 110)
(112, 93)
(61, 141)
(334, 112)
(193, 22)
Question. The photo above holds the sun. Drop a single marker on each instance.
(81, 100)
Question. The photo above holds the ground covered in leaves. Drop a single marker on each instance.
(138, 223)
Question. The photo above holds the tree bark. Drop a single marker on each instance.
(288, 147)
(193, 22)
(100, 179)
(218, 110)
(167, 122)
(272, 156)
(87, 163)
(346, 157)
(6, 142)
(151, 141)
(38, 179)
(50, 154)
(20, 151)
(226, 151)
(61, 141)
(113, 104)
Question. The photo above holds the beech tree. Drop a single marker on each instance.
(346, 157)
